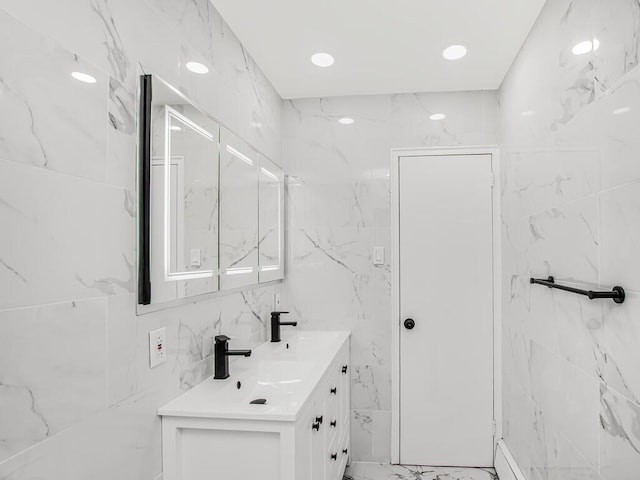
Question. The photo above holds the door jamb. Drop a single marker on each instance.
(396, 154)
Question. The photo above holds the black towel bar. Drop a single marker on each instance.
(616, 294)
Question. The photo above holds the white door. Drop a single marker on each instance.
(446, 289)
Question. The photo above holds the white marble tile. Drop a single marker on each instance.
(535, 181)
(52, 370)
(470, 119)
(568, 403)
(361, 436)
(518, 406)
(42, 103)
(124, 442)
(381, 438)
(620, 248)
(558, 459)
(564, 242)
(373, 471)
(568, 128)
(568, 325)
(370, 387)
(618, 363)
(619, 437)
(79, 26)
(121, 136)
(616, 25)
(72, 239)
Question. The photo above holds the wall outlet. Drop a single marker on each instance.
(157, 347)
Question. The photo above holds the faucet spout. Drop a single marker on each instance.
(292, 324)
(239, 353)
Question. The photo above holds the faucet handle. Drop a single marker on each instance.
(222, 339)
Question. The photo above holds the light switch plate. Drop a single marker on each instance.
(157, 347)
(276, 301)
(378, 255)
(196, 257)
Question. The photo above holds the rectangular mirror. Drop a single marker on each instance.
(271, 218)
(182, 190)
(211, 208)
(238, 212)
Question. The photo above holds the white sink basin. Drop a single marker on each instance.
(284, 374)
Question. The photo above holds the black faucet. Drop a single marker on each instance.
(221, 355)
(275, 325)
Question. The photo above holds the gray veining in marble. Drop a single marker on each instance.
(78, 399)
(338, 197)
(373, 471)
(570, 208)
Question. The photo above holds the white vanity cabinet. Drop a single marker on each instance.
(301, 433)
(323, 430)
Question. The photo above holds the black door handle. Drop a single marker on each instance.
(409, 323)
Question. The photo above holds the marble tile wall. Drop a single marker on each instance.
(77, 399)
(338, 205)
(571, 208)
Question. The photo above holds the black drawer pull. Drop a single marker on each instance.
(334, 456)
(319, 419)
(315, 426)
(344, 369)
(345, 451)
(334, 423)
(334, 391)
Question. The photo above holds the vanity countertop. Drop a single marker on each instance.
(284, 374)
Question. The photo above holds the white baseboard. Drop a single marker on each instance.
(505, 464)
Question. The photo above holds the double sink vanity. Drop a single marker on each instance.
(282, 414)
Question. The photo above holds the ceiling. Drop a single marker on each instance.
(380, 46)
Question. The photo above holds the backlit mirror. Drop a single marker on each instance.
(211, 207)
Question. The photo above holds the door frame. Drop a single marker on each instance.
(396, 154)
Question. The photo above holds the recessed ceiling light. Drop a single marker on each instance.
(528, 113)
(454, 52)
(176, 128)
(322, 59)
(197, 67)
(621, 110)
(585, 47)
(255, 124)
(438, 116)
(346, 120)
(83, 77)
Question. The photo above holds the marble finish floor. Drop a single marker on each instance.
(377, 471)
